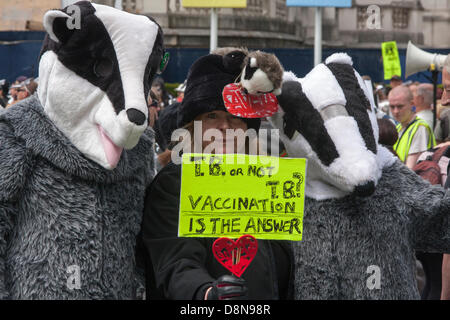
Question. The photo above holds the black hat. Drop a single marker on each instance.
(166, 124)
(206, 79)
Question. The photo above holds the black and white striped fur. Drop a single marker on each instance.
(327, 118)
(96, 77)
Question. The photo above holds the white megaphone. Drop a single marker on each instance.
(419, 60)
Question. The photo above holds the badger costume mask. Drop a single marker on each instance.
(327, 118)
(94, 78)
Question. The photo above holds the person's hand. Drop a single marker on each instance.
(443, 144)
(152, 116)
(227, 287)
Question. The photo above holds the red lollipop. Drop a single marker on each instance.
(235, 255)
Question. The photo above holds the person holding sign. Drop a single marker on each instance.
(185, 268)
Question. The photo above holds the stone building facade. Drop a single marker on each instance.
(270, 23)
(24, 14)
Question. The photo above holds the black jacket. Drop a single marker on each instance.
(183, 268)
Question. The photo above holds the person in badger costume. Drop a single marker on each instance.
(365, 212)
(71, 197)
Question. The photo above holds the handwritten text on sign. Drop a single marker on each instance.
(223, 198)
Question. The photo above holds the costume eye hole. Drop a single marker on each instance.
(333, 111)
(103, 68)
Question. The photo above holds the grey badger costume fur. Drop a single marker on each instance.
(71, 197)
(365, 212)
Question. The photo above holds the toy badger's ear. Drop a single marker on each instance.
(234, 60)
(57, 26)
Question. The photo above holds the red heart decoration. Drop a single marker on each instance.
(235, 255)
(245, 105)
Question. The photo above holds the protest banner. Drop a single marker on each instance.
(235, 194)
(391, 60)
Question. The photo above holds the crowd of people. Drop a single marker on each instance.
(420, 102)
(411, 107)
(20, 89)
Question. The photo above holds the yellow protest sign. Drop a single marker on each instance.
(391, 60)
(214, 3)
(234, 194)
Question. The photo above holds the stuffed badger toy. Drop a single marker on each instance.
(365, 212)
(259, 72)
(75, 160)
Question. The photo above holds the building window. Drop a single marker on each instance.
(400, 18)
(254, 8)
(281, 9)
(129, 5)
(362, 17)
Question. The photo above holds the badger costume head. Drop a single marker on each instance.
(328, 118)
(94, 77)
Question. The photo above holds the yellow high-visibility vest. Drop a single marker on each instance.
(403, 143)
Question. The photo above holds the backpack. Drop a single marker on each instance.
(433, 165)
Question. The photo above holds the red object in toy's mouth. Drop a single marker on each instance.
(245, 105)
(112, 151)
